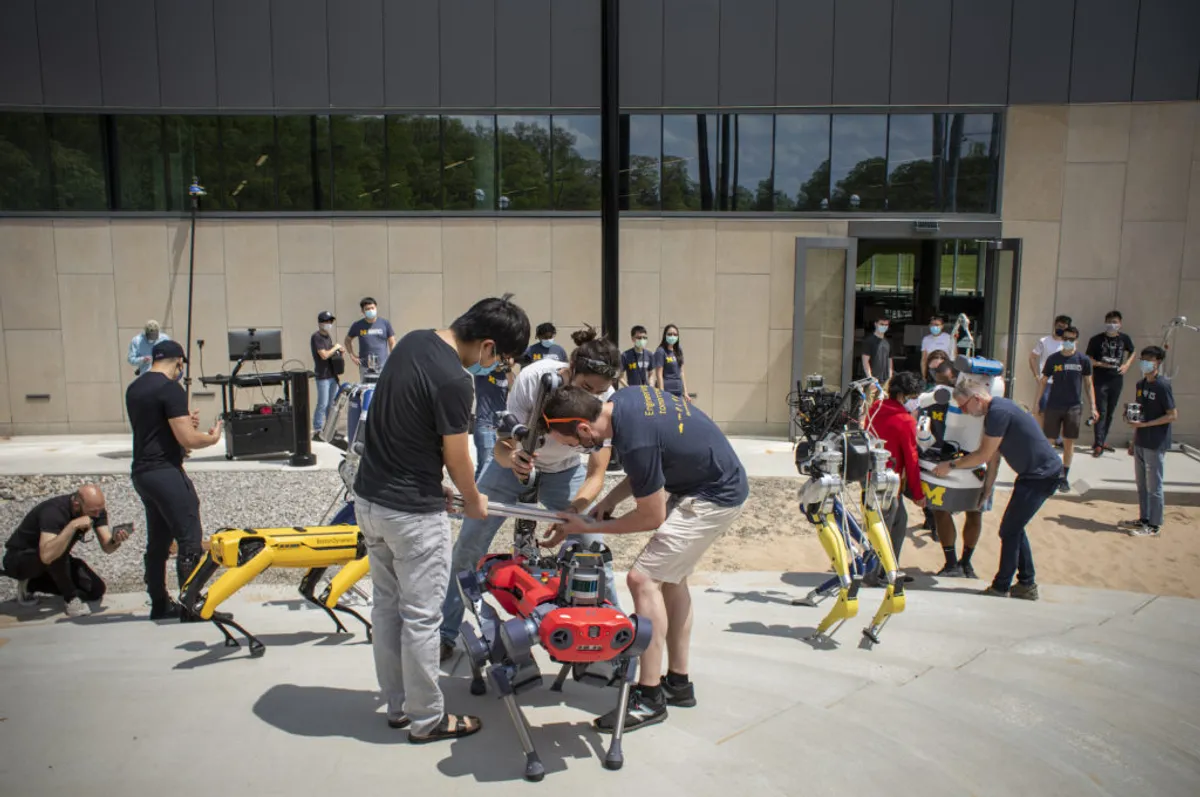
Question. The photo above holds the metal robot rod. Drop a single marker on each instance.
(525, 512)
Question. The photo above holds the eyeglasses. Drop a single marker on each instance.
(598, 367)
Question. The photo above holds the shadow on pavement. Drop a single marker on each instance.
(28, 614)
(799, 633)
(753, 596)
(217, 652)
(1085, 524)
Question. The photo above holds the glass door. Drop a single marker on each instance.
(1002, 274)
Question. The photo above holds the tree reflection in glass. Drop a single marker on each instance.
(801, 162)
(858, 175)
(524, 149)
(469, 165)
(576, 162)
(689, 161)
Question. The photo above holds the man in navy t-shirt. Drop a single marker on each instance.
(1012, 433)
(545, 348)
(1071, 372)
(689, 487)
(1151, 441)
(491, 397)
(637, 364)
(375, 337)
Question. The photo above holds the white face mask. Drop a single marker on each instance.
(326, 327)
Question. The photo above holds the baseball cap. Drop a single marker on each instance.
(167, 350)
(325, 316)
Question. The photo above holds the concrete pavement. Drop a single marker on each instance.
(1086, 692)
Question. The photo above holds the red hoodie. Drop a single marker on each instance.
(898, 429)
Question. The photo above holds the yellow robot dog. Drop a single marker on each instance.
(248, 552)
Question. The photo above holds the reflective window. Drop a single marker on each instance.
(858, 175)
(973, 163)
(802, 162)
(914, 170)
(469, 176)
(304, 164)
(745, 163)
(961, 274)
(523, 143)
(77, 169)
(414, 146)
(641, 143)
(141, 181)
(193, 150)
(359, 163)
(689, 161)
(248, 162)
(576, 162)
(24, 162)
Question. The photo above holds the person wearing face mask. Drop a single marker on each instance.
(418, 426)
(567, 481)
(877, 353)
(1046, 346)
(328, 365)
(1151, 441)
(375, 337)
(637, 364)
(1011, 433)
(936, 340)
(143, 344)
(934, 362)
(894, 424)
(1111, 353)
(164, 432)
(545, 348)
(668, 364)
(1071, 371)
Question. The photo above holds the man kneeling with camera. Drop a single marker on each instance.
(38, 554)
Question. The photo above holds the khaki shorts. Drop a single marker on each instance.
(691, 527)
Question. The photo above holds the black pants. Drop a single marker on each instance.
(896, 520)
(1108, 398)
(172, 513)
(68, 576)
(1016, 557)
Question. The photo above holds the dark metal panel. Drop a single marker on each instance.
(862, 52)
(575, 53)
(411, 47)
(691, 52)
(356, 53)
(979, 51)
(523, 53)
(641, 53)
(1040, 71)
(921, 52)
(468, 53)
(747, 52)
(70, 50)
(1168, 51)
(20, 63)
(128, 53)
(1102, 50)
(300, 63)
(187, 63)
(804, 52)
(243, 32)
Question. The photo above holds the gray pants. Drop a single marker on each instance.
(410, 567)
(1148, 469)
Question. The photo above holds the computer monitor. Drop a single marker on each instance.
(256, 344)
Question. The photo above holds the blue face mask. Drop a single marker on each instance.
(1147, 366)
(672, 339)
(481, 370)
(548, 342)
(935, 328)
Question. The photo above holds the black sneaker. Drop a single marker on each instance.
(639, 713)
(167, 610)
(682, 695)
(951, 571)
(1064, 486)
(968, 570)
(1028, 592)
(446, 652)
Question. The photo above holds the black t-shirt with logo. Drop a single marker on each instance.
(52, 516)
(637, 364)
(151, 401)
(1068, 371)
(1157, 399)
(1112, 351)
(423, 394)
(322, 368)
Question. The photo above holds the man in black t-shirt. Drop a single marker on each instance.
(637, 364)
(38, 554)
(1069, 374)
(164, 432)
(1151, 441)
(689, 487)
(417, 425)
(1111, 353)
(328, 365)
(877, 353)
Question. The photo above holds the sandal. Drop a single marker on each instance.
(462, 727)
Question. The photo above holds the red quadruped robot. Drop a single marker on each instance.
(557, 602)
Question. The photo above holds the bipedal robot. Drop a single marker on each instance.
(838, 453)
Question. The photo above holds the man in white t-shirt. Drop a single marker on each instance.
(936, 340)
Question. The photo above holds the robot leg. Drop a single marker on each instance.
(308, 584)
(847, 601)
(893, 598)
(345, 579)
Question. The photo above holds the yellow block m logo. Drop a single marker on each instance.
(935, 494)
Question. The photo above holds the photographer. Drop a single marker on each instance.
(38, 554)
(1151, 441)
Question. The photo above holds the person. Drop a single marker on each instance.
(936, 340)
(895, 425)
(142, 344)
(491, 394)
(689, 487)
(164, 432)
(328, 366)
(1151, 441)
(38, 554)
(566, 482)
(942, 521)
(1047, 345)
(1011, 433)
(545, 346)
(1072, 374)
(668, 364)
(637, 364)
(934, 362)
(877, 353)
(375, 336)
(1111, 353)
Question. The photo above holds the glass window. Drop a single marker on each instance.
(641, 145)
(24, 162)
(359, 162)
(576, 162)
(745, 164)
(248, 162)
(469, 162)
(961, 275)
(414, 162)
(973, 162)
(77, 165)
(858, 174)
(802, 162)
(914, 177)
(141, 181)
(689, 160)
(304, 162)
(524, 150)
(193, 150)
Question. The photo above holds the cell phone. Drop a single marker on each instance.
(127, 527)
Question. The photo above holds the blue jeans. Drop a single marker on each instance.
(326, 390)
(1148, 468)
(1016, 557)
(555, 491)
(485, 442)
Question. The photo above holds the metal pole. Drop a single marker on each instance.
(195, 191)
(610, 153)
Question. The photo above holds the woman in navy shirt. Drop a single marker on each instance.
(668, 363)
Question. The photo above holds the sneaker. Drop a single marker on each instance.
(446, 652)
(1027, 592)
(993, 592)
(951, 571)
(24, 596)
(1097, 450)
(682, 695)
(398, 723)
(639, 712)
(76, 608)
(1064, 486)
(968, 570)
(170, 610)
(1145, 530)
(1131, 525)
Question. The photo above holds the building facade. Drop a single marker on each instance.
(791, 169)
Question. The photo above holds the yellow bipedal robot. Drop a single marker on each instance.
(248, 552)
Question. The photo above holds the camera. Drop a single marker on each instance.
(1133, 412)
